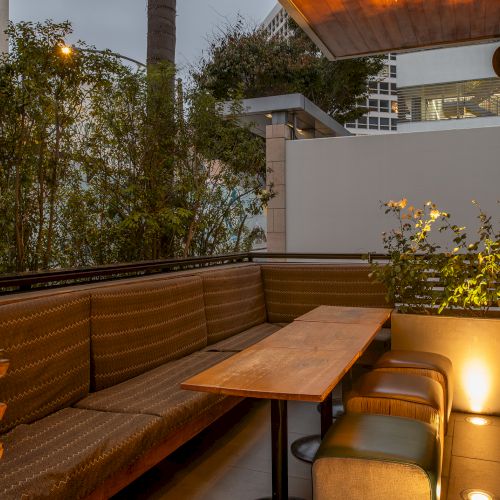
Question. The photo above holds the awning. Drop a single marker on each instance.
(352, 28)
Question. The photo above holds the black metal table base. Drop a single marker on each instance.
(305, 448)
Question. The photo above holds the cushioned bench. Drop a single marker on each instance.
(92, 393)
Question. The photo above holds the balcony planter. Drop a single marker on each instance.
(472, 344)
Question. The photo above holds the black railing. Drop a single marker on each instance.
(19, 282)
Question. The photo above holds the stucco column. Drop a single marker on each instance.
(4, 23)
(276, 137)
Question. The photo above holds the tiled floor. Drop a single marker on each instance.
(232, 460)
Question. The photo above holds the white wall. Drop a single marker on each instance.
(453, 64)
(4, 21)
(334, 186)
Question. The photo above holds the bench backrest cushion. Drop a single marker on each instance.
(234, 301)
(294, 289)
(139, 326)
(47, 341)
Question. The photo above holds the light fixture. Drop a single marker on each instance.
(269, 115)
(477, 421)
(66, 50)
(474, 494)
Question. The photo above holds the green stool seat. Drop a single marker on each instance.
(377, 457)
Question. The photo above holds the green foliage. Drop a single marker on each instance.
(422, 278)
(247, 61)
(100, 163)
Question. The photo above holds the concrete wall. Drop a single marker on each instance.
(4, 21)
(335, 186)
(446, 65)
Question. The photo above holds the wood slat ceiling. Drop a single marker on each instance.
(350, 28)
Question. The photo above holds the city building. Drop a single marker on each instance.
(449, 88)
(4, 23)
(382, 102)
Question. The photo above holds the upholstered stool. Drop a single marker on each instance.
(376, 457)
(399, 394)
(427, 364)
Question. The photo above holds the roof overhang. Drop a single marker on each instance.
(353, 28)
(302, 115)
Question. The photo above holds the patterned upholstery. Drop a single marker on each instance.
(292, 290)
(140, 326)
(47, 342)
(244, 339)
(69, 453)
(234, 301)
(158, 392)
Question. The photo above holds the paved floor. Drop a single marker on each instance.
(232, 460)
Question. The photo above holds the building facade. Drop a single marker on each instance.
(449, 88)
(4, 22)
(382, 102)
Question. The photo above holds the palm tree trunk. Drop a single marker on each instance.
(161, 31)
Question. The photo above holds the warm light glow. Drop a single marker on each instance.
(476, 495)
(269, 115)
(477, 382)
(477, 420)
(66, 50)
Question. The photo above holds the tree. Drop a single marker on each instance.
(161, 31)
(248, 60)
(87, 177)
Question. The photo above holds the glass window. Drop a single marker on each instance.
(394, 107)
(394, 88)
(384, 106)
(350, 125)
(362, 122)
(384, 87)
(373, 86)
(392, 57)
(394, 124)
(373, 104)
(393, 72)
(384, 123)
(373, 123)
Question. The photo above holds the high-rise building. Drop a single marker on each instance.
(382, 102)
(449, 88)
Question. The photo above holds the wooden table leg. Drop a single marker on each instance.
(326, 414)
(279, 439)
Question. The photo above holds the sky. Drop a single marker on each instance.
(120, 25)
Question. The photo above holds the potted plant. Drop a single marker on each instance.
(446, 287)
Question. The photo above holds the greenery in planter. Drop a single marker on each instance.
(422, 277)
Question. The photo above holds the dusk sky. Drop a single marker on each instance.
(120, 25)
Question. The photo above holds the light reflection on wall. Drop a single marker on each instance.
(477, 384)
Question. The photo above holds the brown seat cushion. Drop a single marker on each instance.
(244, 339)
(158, 392)
(47, 341)
(139, 326)
(430, 364)
(69, 453)
(400, 395)
(295, 289)
(234, 301)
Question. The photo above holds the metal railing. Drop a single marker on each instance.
(20, 282)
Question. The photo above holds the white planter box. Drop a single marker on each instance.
(472, 344)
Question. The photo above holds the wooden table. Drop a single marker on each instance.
(303, 361)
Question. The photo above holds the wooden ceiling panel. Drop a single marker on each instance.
(350, 28)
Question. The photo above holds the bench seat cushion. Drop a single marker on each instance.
(47, 341)
(139, 326)
(69, 453)
(234, 301)
(158, 393)
(245, 339)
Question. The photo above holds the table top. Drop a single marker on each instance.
(353, 315)
(303, 361)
